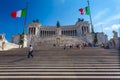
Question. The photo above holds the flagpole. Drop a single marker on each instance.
(25, 26)
(92, 29)
(24, 44)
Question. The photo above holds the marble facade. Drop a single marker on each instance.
(71, 34)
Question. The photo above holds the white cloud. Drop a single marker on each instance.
(113, 27)
(108, 20)
(113, 18)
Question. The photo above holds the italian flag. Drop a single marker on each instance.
(85, 10)
(20, 13)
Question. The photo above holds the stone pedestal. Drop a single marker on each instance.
(58, 32)
(58, 40)
(25, 41)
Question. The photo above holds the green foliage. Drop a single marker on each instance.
(21, 39)
(95, 38)
(58, 24)
(92, 29)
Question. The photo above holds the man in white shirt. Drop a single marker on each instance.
(30, 51)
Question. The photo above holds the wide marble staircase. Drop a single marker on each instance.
(55, 63)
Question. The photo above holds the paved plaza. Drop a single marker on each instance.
(55, 63)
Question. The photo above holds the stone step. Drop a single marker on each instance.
(79, 61)
(60, 70)
(60, 77)
(38, 67)
(59, 64)
(30, 68)
(63, 65)
(59, 73)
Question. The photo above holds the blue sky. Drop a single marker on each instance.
(105, 14)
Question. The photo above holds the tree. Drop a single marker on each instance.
(21, 40)
(92, 29)
(95, 38)
(58, 24)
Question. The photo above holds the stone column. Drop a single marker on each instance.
(34, 31)
(75, 33)
(64, 32)
(49, 33)
(71, 33)
(46, 34)
(31, 30)
(52, 33)
(87, 30)
(43, 33)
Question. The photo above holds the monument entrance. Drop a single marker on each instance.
(58, 40)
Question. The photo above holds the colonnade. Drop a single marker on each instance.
(44, 33)
(69, 32)
(32, 30)
(85, 30)
(47, 33)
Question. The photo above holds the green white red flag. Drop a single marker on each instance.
(85, 11)
(20, 13)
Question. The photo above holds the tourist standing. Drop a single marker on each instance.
(80, 46)
(64, 46)
(30, 51)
